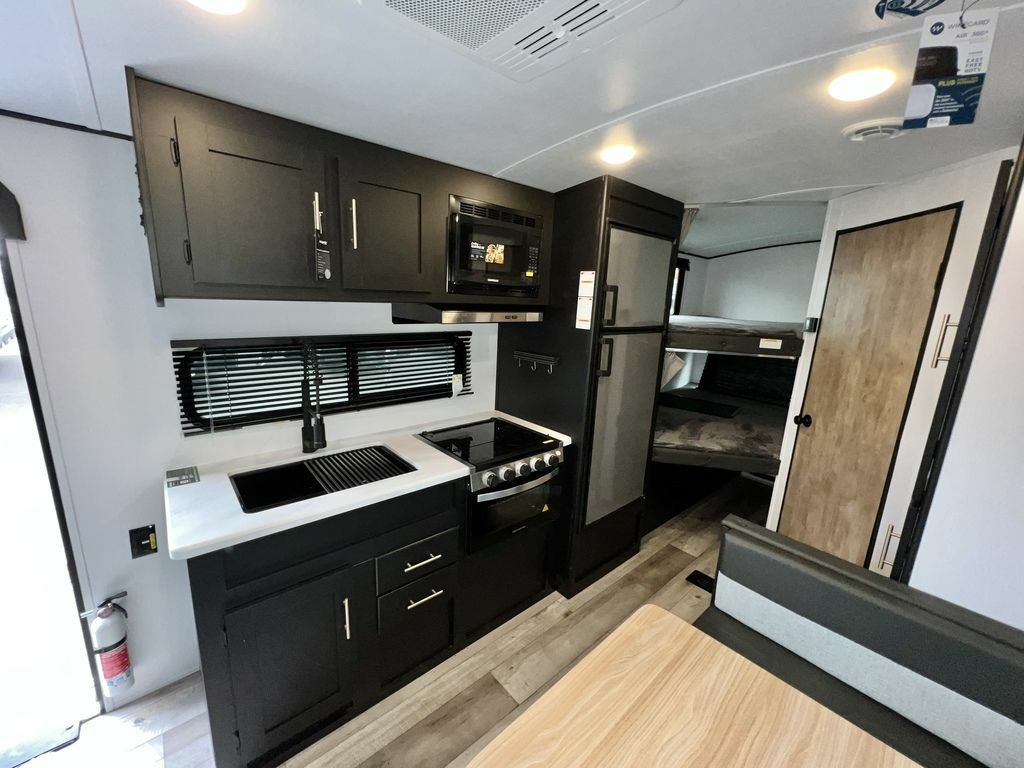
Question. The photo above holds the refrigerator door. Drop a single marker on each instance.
(626, 389)
(637, 280)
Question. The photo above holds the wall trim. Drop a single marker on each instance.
(62, 124)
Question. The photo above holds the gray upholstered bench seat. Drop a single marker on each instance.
(941, 684)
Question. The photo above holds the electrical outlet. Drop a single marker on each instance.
(143, 540)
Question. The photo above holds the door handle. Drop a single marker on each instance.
(613, 292)
(433, 593)
(883, 560)
(348, 625)
(803, 420)
(354, 239)
(605, 368)
(946, 325)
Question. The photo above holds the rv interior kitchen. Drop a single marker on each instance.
(622, 383)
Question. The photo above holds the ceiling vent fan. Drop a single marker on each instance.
(523, 39)
(875, 130)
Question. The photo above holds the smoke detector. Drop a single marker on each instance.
(874, 130)
(523, 39)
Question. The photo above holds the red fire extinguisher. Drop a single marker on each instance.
(109, 631)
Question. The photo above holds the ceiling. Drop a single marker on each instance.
(725, 101)
(725, 229)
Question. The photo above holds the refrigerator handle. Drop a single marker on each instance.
(609, 315)
(605, 368)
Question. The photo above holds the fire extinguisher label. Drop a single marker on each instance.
(116, 666)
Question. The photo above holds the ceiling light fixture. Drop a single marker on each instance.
(861, 84)
(617, 154)
(220, 7)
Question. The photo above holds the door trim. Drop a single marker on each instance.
(997, 225)
(957, 207)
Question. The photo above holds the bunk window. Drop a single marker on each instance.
(226, 384)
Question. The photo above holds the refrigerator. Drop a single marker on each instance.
(615, 248)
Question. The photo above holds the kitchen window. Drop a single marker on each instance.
(231, 383)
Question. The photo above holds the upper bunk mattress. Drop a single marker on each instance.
(746, 337)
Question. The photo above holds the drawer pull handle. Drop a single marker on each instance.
(348, 625)
(432, 558)
(433, 593)
(355, 231)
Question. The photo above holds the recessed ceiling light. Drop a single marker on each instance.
(861, 84)
(617, 154)
(220, 7)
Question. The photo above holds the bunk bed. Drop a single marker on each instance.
(733, 418)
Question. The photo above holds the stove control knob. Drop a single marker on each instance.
(490, 479)
(537, 463)
(552, 459)
(522, 469)
(506, 474)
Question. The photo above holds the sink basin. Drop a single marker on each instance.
(272, 487)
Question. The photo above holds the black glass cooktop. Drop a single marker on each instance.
(489, 443)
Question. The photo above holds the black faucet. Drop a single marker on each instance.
(314, 436)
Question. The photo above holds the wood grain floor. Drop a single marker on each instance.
(445, 717)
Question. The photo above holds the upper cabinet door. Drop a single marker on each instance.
(250, 202)
(637, 280)
(382, 217)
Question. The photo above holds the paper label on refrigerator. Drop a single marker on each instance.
(584, 311)
(585, 299)
(587, 280)
(770, 344)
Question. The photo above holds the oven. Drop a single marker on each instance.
(495, 515)
(493, 250)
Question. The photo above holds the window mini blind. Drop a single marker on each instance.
(231, 383)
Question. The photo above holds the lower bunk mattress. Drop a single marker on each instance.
(707, 429)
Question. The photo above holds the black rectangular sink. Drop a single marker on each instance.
(272, 487)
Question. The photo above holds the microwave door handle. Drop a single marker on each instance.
(504, 493)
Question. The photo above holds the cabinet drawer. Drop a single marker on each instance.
(416, 626)
(415, 560)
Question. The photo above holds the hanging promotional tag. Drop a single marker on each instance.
(951, 64)
(905, 7)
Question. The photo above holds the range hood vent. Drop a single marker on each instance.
(523, 39)
(449, 315)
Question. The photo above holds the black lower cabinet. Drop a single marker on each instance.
(302, 630)
(497, 582)
(295, 660)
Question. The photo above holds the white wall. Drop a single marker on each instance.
(100, 347)
(972, 548)
(771, 284)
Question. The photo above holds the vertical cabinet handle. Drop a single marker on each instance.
(946, 325)
(890, 534)
(609, 315)
(605, 368)
(355, 230)
(348, 623)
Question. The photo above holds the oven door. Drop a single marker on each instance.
(496, 515)
(492, 257)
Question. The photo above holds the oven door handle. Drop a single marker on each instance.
(506, 492)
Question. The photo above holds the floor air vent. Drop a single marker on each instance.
(523, 39)
(338, 471)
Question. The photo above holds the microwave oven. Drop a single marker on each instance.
(493, 250)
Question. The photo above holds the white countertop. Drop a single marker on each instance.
(205, 516)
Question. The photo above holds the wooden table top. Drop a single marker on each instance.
(658, 693)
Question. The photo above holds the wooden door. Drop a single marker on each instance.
(294, 660)
(382, 204)
(249, 202)
(878, 304)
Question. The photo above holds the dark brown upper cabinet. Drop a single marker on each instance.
(250, 203)
(229, 199)
(382, 214)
